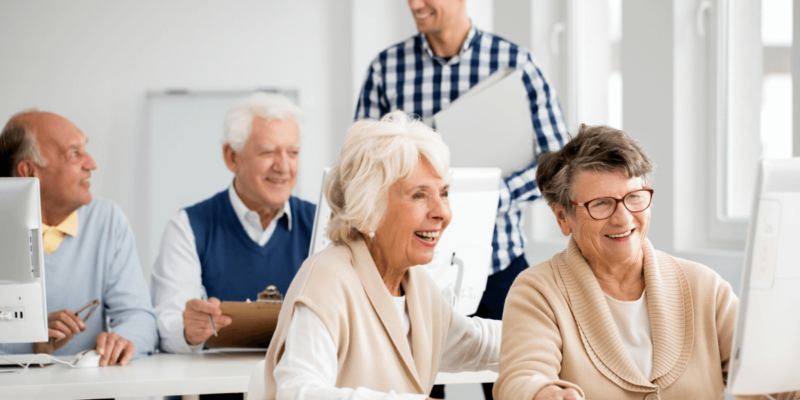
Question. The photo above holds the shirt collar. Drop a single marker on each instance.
(68, 226)
(241, 210)
(468, 41)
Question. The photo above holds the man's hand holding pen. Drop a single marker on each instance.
(62, 325)
(197, 326)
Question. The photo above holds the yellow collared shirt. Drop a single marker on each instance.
(52, 236)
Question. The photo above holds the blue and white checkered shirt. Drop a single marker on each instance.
(409, 76)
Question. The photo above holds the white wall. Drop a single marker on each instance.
(93, 61)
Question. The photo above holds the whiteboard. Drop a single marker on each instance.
(186, 163)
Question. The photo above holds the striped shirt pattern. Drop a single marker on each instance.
(410, 77)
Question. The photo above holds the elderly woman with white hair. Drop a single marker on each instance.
(359, 320)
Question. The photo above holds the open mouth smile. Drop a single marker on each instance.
(621, 235)
(427, 238)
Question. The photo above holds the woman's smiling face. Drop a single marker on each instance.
(417, 213)
(614, 241)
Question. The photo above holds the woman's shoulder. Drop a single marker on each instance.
(539, 277)
(702, 278)
(326, 272)
(695, 272)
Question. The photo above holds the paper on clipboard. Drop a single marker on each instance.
(490, 125)
(252, 327)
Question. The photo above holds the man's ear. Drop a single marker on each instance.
(26, 169)
(562, 219)
(229, 154)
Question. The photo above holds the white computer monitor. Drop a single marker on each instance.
(463, 257)
(765, 355)
(23, 303)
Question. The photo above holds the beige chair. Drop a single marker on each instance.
(255, 391)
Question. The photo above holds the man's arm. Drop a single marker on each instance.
(176, 280)
(549, 128)
(126, 297)
(372, 99)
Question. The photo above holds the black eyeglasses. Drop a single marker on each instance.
(604, 207)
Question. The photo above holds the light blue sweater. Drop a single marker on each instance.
(99, 263)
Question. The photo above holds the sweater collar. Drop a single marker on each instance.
(671, 316)
(418, 364)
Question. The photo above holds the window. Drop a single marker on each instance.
(615, 75)
(759, 105)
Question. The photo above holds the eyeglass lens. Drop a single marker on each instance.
(604, 207)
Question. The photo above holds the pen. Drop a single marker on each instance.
(204, 295)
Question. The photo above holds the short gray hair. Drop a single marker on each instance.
(18, 143)
(594, 148)
(375, 155)
(239, 119)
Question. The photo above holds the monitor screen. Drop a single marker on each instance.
(23, 305)
(463, 257)
(765, 355)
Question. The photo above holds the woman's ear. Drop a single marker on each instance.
(563, 220)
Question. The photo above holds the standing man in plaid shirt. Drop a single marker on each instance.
(426, 73)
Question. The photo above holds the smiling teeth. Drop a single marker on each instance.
(621, 235)
(428, 235)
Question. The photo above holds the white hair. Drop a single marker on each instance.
(375, 155)
(239, 119)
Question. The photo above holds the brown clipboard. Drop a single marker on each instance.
(252, 327)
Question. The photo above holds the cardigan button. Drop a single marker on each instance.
(651, 396)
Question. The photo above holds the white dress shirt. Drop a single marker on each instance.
(177, 278)
(309, 365)
(633, 323)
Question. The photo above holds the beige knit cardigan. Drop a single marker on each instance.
(557, 329)
(342, 286)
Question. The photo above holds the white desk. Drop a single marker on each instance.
(158, 375)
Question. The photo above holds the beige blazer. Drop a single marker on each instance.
(558, 329)
(343, 287)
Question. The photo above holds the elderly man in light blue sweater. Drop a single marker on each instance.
(90, 252)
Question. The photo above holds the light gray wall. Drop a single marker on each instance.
(93, 62)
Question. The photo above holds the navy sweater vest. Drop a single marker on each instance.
(234, 267)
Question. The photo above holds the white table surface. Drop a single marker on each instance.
(158, 375)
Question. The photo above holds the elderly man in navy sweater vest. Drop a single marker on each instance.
(252, 234)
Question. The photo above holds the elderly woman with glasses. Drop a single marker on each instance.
(360, 321)
(611, 317)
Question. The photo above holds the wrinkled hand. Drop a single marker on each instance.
(61, 327)
(196, 324)
(554, 392)
(113, 349)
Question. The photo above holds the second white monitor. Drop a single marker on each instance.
(474, 195)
